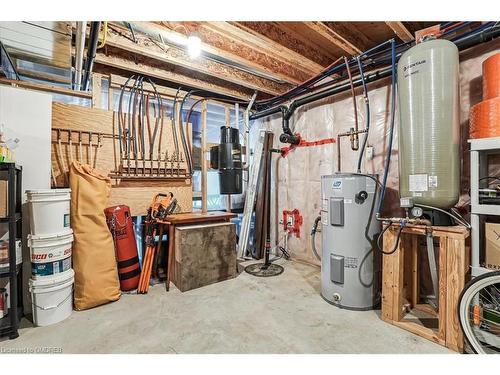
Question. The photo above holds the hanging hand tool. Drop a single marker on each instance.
(179, 165)
(70, 148)
(80, 146)
(89, 150)
(54, 182)
(99, 144)
(61, 156)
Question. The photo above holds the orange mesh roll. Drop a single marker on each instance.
(491, 77)
(485, 119)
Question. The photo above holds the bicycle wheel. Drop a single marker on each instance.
(479, 313)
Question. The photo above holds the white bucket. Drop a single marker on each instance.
(51, 247)
(50, 254)
(49, 210)
(52, 298)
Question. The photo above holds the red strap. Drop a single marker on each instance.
(303, 143)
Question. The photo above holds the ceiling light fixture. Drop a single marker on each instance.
(193, 46)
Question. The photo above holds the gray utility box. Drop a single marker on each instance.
(350, 266)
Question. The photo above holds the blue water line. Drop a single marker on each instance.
(367, 106)
(391, 134)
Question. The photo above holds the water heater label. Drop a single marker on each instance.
(418, 182)
(350, 262)
(337, 184)
(324, 217)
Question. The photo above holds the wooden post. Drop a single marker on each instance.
(204, 177)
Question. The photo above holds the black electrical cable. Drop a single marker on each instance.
(485, 32)
(158, 116)
(129, 122)
(120, 119)
(313, 237)
(174, 130)
(381, 235)
(184, 135)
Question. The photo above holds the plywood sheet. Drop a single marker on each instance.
(138, 193)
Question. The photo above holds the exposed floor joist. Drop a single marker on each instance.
(177, 56)
(288, 37)
(334, 37)
(221, 45)
(400, 30)
(259, 42)
(350, 33)
(128, 64)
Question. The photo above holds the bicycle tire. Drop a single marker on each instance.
(473, 287)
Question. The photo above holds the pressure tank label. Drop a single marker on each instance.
(418, 182)
(433, 181)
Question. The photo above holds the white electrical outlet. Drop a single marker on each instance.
(369, 153)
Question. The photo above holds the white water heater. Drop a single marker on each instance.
(429, 132)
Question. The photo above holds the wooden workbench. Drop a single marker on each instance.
(196, 217)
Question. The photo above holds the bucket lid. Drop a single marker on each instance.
(50, 281)
(48, 191)
(53, 236)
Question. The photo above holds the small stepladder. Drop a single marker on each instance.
(401, 304)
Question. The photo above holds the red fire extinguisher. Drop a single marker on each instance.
(121, 227)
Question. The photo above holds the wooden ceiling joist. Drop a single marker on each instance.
(177, 56)
(334, 37)
(351, 33)
(168, 75)
(46, 88)
(291, 39)
(262, 43)
(400, 30)
(226, 47)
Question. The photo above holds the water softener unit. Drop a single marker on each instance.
(349, 268)
(226, 157)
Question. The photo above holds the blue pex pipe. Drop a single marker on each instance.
(391, 135)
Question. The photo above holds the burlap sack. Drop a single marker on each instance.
(94, 263)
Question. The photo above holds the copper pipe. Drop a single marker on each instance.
(351, 133)
(354, 137)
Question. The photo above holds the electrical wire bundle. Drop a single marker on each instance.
(135, 122)
(373, 58)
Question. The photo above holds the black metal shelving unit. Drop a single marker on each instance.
(12, 173)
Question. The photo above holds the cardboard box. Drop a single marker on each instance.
(3, 199)
(492, 234)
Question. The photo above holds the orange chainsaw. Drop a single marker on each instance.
(161, 206)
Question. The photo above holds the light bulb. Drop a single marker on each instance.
(194, 46)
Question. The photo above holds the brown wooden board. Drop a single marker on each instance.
(400, 294)
(137, 194)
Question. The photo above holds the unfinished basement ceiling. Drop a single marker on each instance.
(238, 58)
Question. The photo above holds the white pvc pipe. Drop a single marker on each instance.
(81, 28)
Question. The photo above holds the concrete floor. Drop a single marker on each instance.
(284, 314)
